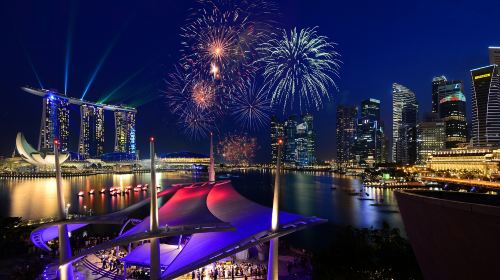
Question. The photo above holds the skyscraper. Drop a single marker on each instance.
(494, 54)
(346, 133)
(404, 121)
(125, 132)
(277, 132)
(436, 82)
(431, 137)
(452, 110)
(299, 140)
(91, 142)
(369, 132)
(485, 106)
(290, 127)
(311, 138)
(55, 122)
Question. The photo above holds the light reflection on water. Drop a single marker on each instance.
(311, 194)
(306, 193)
(36, 198)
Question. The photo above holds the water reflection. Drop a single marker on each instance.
(36, 198)
(311, 194)
(306, 193)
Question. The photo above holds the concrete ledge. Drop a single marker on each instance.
(454, 235)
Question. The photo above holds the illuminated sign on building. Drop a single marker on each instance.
(482, 76)
(453, 97)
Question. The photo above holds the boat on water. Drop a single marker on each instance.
(81, 193)
(91, 192)
(103, 190)
(137, 189)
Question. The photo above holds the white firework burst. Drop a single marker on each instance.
(299, 65)
(252, 108)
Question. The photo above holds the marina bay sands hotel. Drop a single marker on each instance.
(55, 124)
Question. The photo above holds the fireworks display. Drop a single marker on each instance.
(178, 98)
(203, 95)
(220, 42)
(252, 108)
(197, 123)
(298, 67)
(237, 149)
(227, 45)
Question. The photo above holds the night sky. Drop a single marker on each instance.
(381, 42)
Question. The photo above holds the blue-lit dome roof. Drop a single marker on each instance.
(183, 154)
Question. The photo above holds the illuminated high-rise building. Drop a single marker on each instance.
(370, 132)
(436, 82)
(91, 142)
(452, 110)
(305, 142)
(55, 122)
(290, 131)
(125, 132)
(431, 137)
(485, 106)
(277, 132)
(299, 141)
(346, 133)
(404, 121)
(494, 55)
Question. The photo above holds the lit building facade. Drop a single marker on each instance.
(290, 129)
(436, 82)
(91, 142)
(370, 132)
(404, 121)
(310, 136)
(125, 132)
(485, 106)
(277, 132)
(483, 161)
(431, 137)
(299, 141)
(452, 110)
(305, 142)
(55, 122)
(346, 133)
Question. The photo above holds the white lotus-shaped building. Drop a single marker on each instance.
(29, 154)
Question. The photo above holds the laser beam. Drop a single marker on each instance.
(99, 65)
(28, 58)
(121, 85)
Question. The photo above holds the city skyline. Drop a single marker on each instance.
(426, 63)
(249, 139)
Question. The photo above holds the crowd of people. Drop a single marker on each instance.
(110, 260)
(230, 270)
